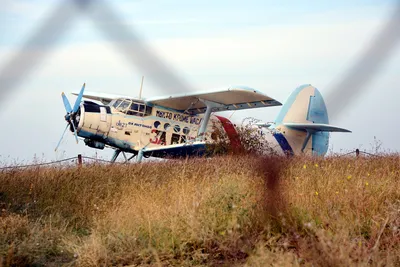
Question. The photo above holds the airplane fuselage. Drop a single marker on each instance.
(145, 128)
(156, 126)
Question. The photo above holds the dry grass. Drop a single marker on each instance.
(231, 210)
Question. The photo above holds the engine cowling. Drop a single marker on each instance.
(93, 122)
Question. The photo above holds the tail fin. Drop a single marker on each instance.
(303, 122)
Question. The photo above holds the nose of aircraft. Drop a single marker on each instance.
(72, 114)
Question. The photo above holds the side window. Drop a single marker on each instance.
(167, 126)
(148, 110)
(136, 109)
(139, 109)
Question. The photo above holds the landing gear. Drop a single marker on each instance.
(116, 154)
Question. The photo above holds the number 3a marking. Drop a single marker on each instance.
(155, 139)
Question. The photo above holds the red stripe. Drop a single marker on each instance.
(231, 132)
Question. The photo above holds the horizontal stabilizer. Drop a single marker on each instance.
(263, 124)
(316, 127)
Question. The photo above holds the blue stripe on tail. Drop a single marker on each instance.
(280, 138)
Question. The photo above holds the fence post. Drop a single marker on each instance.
(79, 160)
(357, 152)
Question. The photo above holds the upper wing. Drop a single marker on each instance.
(102, 97)
(232, 98)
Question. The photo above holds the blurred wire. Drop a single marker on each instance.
(142, 57)
(126, 41)
(73, 159)
(367, 67)
(136, 51)
(35, 49)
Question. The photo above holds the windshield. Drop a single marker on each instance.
(130, 107)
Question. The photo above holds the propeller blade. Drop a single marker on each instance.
(67, 105)
(62, 136)
(73, 126)
(379, 51)
(135, 50)
(79, 99)
(29, 57)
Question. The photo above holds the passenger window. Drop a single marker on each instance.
(157, 124)
(177, 128)
(186, 130)
(166, 126)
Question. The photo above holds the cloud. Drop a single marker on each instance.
(277, 47)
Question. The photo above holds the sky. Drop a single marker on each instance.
(272, 46)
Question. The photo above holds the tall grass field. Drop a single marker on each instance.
(229, 211)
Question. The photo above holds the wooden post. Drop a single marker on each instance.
(357, 152)
(79, 160)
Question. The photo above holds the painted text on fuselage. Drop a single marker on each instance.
(179, 117)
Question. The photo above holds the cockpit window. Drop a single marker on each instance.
(141, 108)
(124, 105)
(130, 107)
(135, 107)
(148, 110)
(116, 103)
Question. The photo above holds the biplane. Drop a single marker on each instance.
(182, 125)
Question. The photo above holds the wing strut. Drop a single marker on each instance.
(203, 127)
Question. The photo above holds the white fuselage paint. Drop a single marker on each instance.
(162, 127)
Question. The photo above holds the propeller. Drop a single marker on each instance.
(368, 65)
(71, 114)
